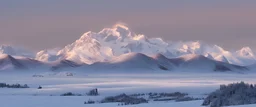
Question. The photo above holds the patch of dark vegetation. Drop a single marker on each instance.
(70, 94)
(93, 92)
(4, 85)
(160, 95)
(137, 95)
(176, 96)
(40, 87)
(139, 98)
(232, 94)
(89, 102)
(69, 74)
(187, 99)
(124, 100)
(164, 99)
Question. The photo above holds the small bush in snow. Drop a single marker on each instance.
(89, 102)
(39, 87)
(69, 74)
(232, 94)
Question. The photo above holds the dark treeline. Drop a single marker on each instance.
(4, 85)
(232, 94)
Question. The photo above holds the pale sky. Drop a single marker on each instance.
(42, 24)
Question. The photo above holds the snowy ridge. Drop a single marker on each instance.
(47, 55)
(63, 64)
(8, 62)
(128, 62)
(193, 62)
(137, 62)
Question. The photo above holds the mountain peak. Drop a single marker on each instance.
(5, 56)
(192, 57)
(222, 58)
(120, 26)
(246, 49)
(245, 52)
(122, 31)
(158, 56)
(7, 49)
(16, 51)
(140, 37)
(208, 55)
(116, 32)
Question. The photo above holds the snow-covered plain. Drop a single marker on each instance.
(109, 84)
(45, 101)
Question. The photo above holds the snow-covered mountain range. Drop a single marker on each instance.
(114, 46)
(110, 42)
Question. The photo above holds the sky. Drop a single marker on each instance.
(43, 24)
